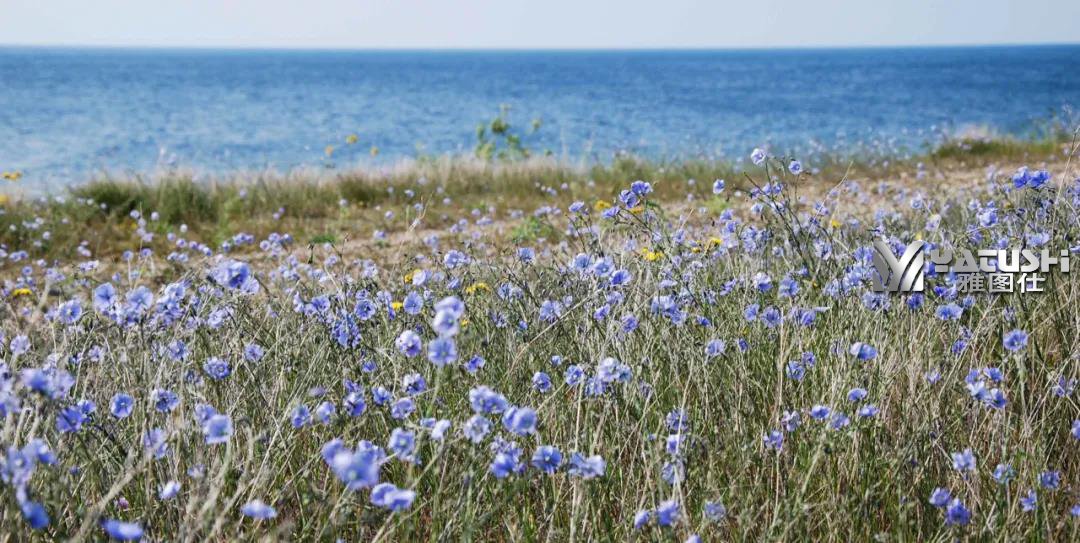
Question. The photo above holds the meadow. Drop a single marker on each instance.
(533, 352)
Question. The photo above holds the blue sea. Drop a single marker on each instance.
(69, 114)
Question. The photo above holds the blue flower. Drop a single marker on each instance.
(1003, 473)
(1050, 479)
(474, 364)
(862, 351)
(788, 287)
(820, 412)
(354, 404)
(486, 401)
(325, 411)
(964, 461)
(476, 428)
(253, 352)
(300, 417)
(1015, 340)
(667, 513)
(121, 405)
(388, 496)
(402, 408)
(259, 510)
(402, 443)
(715, 348)
(70, 419)
(520, 420)
(573, 375)
(956, 513)
(541, 382)
(169, 490)
(790, 420)
(771, 317)
(715, 511)
(795, 370)
(122, 531)
(19, 345)
(795, 167)
(218, 429)
(641, 519)
(586, 467)
(37, 450)
(442, 351)
(439, 429)
(414, 384)
(104, 297)
(949, 312)
(413, 303)
(547, 459)
(1029, 501)
(356, 469)
(232, 274)
(69, 312)
(774, 440)
(380, 395)
(35, 514)
(506, 463)
(718, 186)
(940, 497)
(641, 188)
(154, 442)
(757, 157)
(216, 368)
(408, 343)
(164, 400)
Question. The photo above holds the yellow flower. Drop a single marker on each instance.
(408, 277)
(13, 175)
(351, 139)
(714, 242)
(374, 150)
(464, 323)
(650, 255)
(477, 286)
(21, 292)
(601, 205)
(834, 223)
(636, 210)
(3, 199)
(329, 151)
(397, 305)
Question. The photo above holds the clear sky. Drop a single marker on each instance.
(536, 23)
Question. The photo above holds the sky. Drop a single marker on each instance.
(546, 24)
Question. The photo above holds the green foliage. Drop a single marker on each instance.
(497, 139)
(532, 229)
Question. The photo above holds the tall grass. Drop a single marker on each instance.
(677, 420)
(307, 203)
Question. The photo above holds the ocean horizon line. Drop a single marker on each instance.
(537, 49)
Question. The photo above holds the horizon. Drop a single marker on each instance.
(526, 49)
(519, 25)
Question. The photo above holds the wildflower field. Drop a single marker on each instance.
(642, 359)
